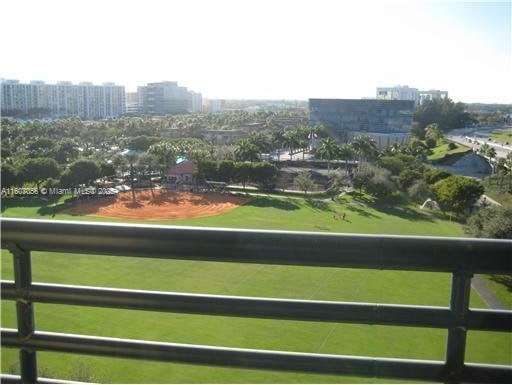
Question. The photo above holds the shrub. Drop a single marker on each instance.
(407, 177)
(431, 142)
(434, 175)
(491, 222)
(304, 182)
(457, 193)
(418, 191)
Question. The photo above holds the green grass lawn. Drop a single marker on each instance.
(502, 136)
(292, 213)
(415, 288)
(441, 150)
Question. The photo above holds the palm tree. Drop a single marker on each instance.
(328, 150)
(131, 158)
(278, 141)
(484, 149)
(166, 153)
(246, 150)
(148, 163)
(346, 152)
(365, 148)
(291, 141)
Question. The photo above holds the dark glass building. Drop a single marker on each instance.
(346, 118)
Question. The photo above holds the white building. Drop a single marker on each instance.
(195, 102)
(397, 93)
(214, 105)
(408, 93)
(432, 94)
(132, 103)
(63, 99)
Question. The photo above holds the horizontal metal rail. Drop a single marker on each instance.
(260, 246)
(249, 358)
(290, 309)
(14, 379)
(460, 256)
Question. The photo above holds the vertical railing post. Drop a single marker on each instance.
(456, 344)
(24, 311)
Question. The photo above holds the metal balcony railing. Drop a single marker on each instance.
(461, 257)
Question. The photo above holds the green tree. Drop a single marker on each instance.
(491, 222)
(207, 170)
(328, 150)
(304, 182)
(148, 163)
(83, 172)
(380, 184)
(447, 114)
(107, 170)
(278, 141)
(346, 152)
(264, 175)
(433, 132)
(291, 140)
(37, 170)
(362, 177)
(246, 150)
(365, 148)
(243, 172)
(9, 175)
(66, 151)
(407, 177)
(418, 191)
(433, 175)
(416, 147)
(132, 158)
(226, 171)
(457, 193)
(337, 181)
(141, 143)
(484, 149)
(166, 153)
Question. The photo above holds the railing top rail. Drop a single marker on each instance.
(262, 246)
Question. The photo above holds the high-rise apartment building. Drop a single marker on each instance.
(64, 99)
(163, 98)
(409, 93)
(132, 103)
(195, 102)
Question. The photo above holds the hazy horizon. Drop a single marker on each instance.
(265, 49)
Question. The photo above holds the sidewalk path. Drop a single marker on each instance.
(482, 288)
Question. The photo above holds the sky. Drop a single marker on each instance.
(265, 49)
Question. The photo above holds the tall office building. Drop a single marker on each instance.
(387, 121)
(64, 99)
(409, 93)
(163, 98)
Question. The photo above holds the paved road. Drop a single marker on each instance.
(475, 137)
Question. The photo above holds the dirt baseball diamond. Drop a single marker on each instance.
(159, 205)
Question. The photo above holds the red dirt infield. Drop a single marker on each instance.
(163, 205)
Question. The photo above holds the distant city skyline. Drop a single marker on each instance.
(265, 49)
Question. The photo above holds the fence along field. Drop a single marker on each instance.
(250, 280)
